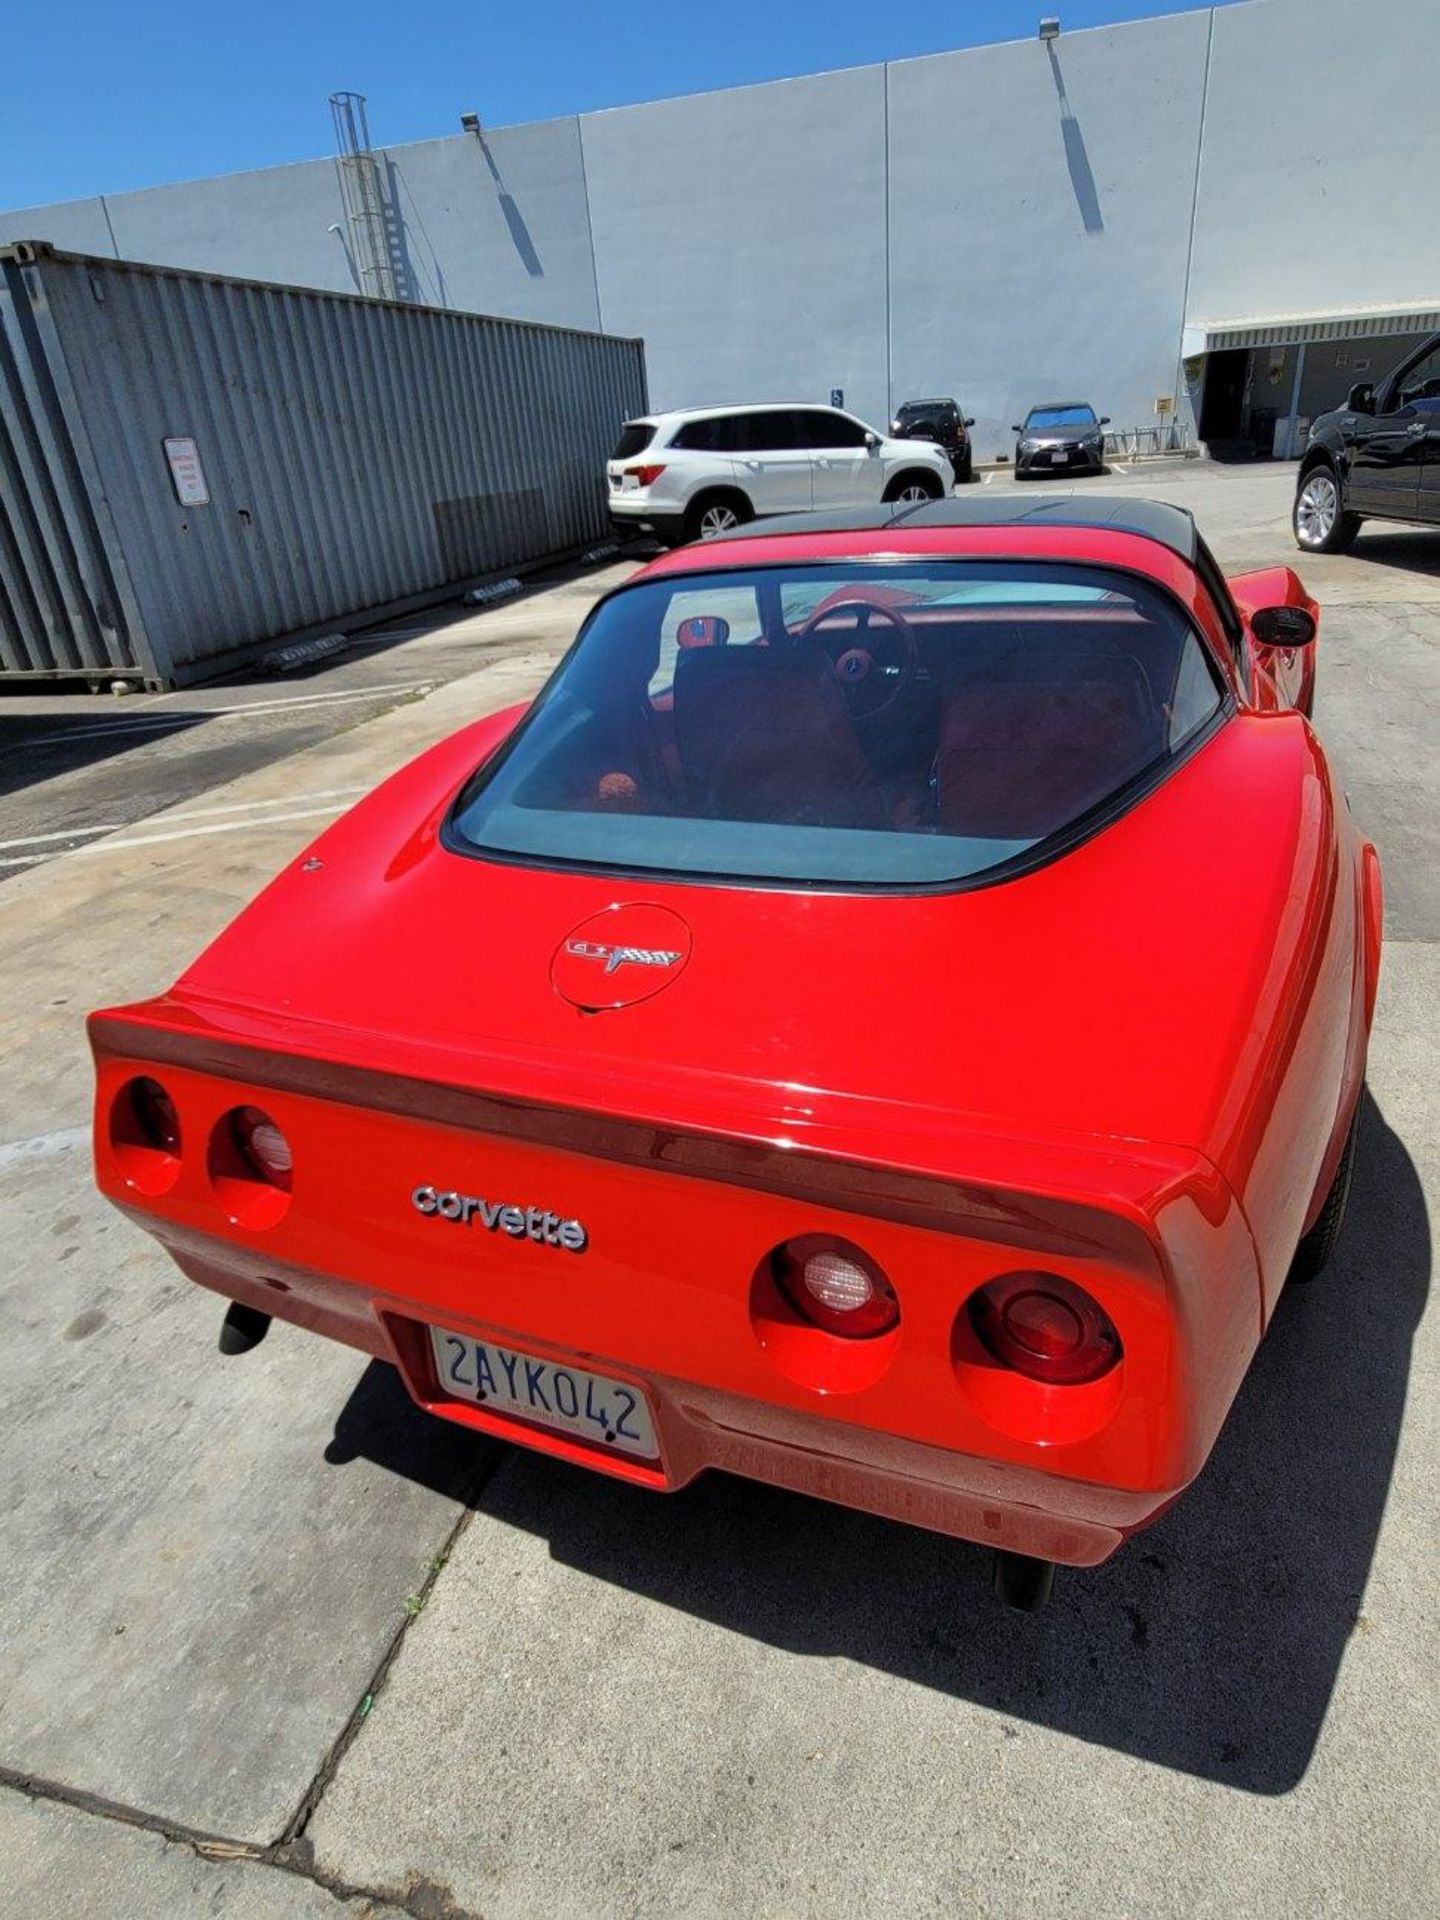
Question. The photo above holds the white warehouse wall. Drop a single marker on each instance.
(1320, 157)
(1040, 205)
(743, 234)
(1005, 223)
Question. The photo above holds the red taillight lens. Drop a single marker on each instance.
(263, 1146)
(1047, 1328)
(644, 476)
(155, 1115)
(835, 1286)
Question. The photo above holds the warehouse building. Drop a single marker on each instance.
(1210, 222)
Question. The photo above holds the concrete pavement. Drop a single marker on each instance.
(60, 1863)
(317, 1642)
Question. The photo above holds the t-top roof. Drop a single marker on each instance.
(1171, 527)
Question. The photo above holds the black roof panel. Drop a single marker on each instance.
(1171, 527)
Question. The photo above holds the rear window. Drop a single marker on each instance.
(635, 437)
(885, 724)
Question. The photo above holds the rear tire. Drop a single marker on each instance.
(965, 472)
(1312, 1255)
(712, 515)
(1320, 519)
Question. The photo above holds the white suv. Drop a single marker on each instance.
(698, 473)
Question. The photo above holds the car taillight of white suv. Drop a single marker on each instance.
(696, 474)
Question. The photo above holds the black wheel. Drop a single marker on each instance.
(1320, 519)
(1022, 1582)
(1312, 1255)
(713, 515)
(965, 472)
(910, 489)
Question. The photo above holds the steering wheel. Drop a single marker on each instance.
(874, 668)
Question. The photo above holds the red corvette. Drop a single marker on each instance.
(886, 1020)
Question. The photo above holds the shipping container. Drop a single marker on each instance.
(192, 466)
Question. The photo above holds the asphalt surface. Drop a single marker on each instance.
(76, 766)
(268, 1635)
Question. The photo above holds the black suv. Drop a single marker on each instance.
(1378, 455)
(942, 422)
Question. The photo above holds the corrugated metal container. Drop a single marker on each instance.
(191, 466)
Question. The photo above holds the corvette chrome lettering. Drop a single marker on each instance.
(498, 1216)
(616, 957)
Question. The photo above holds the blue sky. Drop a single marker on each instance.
(102, 95)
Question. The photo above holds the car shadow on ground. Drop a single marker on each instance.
(1210, 1644)
(35, 747)
(1407, 551)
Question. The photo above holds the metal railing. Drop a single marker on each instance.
(1148, 442)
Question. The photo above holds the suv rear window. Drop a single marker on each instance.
(635, 437)
(898, 723)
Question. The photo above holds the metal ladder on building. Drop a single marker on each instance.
(368, 214)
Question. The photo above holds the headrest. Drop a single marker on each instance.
(702, 630)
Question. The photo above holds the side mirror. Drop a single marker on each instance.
(1283, 626)
(1016, 427)
(1361, 398)
(872, 440)
(1104, 419)
(969, 419)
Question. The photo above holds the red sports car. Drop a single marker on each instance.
(886, 1020)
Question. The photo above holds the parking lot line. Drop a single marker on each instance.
(42, 1146)
(193, 813)
(145, 722)
(183, 833)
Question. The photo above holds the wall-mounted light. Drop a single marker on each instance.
(1050, 27)
(470, 123)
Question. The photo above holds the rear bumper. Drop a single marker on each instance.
(675, 1293)
(631, 514)
(990, 1502)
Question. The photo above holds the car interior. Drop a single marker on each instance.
(998, 710)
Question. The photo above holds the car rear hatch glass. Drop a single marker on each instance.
(872, 723)
(635, 437)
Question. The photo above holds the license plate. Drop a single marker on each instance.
(1059, 459)
(606, 1412)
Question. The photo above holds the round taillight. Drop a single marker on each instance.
(263, 1147)
(155, 1115)
(1044, 1326)
(835, 1286)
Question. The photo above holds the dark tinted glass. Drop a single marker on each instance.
(777, 432)
(822, 429)
(635, 436)
(910, 723)
(699, 436)
(942, 411)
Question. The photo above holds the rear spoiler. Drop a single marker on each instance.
(1056, 1215)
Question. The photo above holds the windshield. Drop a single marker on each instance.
(1043, 417)
(885, 723)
